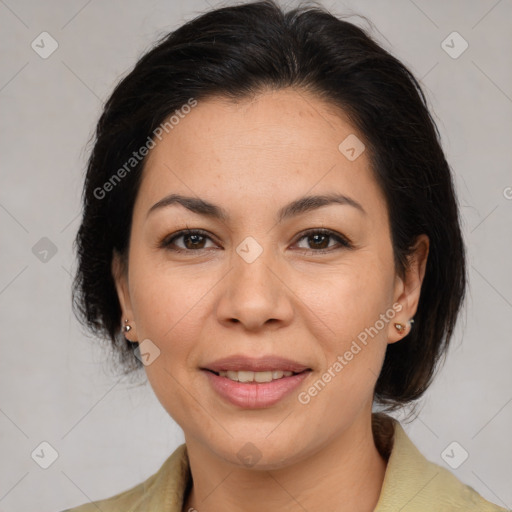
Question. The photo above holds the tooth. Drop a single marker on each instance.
(249, 376)
(245, 376)
(263, 376)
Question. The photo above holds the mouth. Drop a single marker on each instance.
(248, 376)
(255, 383)
(246, 368)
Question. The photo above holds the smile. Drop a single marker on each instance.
(248, 376)
(254, 390)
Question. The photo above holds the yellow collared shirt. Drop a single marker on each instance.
(411, 484)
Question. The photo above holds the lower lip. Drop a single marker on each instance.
(255, 395)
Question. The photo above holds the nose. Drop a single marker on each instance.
(255, 294)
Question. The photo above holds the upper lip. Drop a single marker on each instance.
(255, 364)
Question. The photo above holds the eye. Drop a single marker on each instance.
(193, 240)
(318, 240)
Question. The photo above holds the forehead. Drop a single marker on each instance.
(277, 145)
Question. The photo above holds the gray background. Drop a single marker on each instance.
(57, 385)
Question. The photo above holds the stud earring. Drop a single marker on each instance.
(127, 327)
(400, 327)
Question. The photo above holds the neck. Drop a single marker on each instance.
(345, 474)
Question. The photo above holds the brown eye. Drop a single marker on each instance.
(318, 240)
(189, 240)
(192, 240)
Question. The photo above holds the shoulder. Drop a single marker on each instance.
(162, 490)
(413, 481)
(126, 501)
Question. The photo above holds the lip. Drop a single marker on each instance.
(254, 395)
(253, 364)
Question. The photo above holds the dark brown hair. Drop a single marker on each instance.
(236, 52)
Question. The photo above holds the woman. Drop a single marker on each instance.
(270, 229)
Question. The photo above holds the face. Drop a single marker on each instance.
(253, 277)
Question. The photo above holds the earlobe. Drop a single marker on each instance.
(399, 330)
(120, 276)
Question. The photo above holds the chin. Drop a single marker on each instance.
(260, 453)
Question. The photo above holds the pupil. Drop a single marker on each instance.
(315, 237)
(194, 244)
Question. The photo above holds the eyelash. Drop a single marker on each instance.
(169, 240)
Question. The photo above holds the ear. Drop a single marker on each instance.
(120, 274)
(408, 288)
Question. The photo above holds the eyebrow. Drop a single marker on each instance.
(299, 206)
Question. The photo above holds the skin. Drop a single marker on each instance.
(251, 158)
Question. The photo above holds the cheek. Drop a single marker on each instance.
(352, 340)
(167, 299)
(170, 311)
(353, 305)
(171, 308)
(350, 298)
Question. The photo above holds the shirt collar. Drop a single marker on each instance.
(411, 482)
